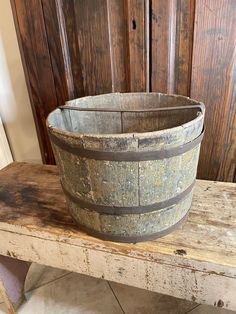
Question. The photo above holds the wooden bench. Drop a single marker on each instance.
(197, 262)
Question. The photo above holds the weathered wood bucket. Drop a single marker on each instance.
(128, 162)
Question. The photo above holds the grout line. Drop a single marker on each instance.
(46, 283)
(192, 309)
(116, 297)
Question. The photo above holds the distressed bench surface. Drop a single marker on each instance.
(197, 262)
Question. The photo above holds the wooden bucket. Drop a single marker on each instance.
(128, 162)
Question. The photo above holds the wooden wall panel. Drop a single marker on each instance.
(72, 52)
(58, 47)
(35, 53)
(171, 45)
(137, 45)
(118, 39)
(85, 47)
(163, 42)
(214, 83)
(184, 46)
(93, 41)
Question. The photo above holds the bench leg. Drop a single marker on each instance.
(12, 278)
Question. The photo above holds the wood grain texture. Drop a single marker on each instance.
(93, 40)
(76, 48)
(184, 46)
(29, 20)
(163, 45)
(214, 83)
(118, 43)
(67, 11)
(137, 54)
(58, 47)
(171, 45)
(35, 226)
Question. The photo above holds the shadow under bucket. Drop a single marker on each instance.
(128, 162)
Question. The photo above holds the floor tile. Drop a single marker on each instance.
(51, 290)
(207, 309)
(139, 301)
(39, 275)
(72, 294)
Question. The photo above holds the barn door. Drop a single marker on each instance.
(74, 48)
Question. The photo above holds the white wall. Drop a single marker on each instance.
(5, 152)
(15, 109)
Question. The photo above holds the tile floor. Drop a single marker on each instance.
(50, 290)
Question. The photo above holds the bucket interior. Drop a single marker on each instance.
(88, 122)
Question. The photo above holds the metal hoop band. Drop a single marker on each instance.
(131, 239)
(128, 155)
(119, 210)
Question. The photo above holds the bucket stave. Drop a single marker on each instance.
(128, 176)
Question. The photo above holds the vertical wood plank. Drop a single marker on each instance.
(93, 40)
(137, 56)
(118, 44)
(37, 66)
(171, 48)
(184, 46)
(214, 83)
(74, 58)
(163, 42)
(58, 46)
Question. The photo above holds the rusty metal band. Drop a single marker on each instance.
(128, 155)
(144, 110)
(120, 210)
(131, 239)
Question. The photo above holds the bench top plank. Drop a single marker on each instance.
(32, 203)
(196, 262)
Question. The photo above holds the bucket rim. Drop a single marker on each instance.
(127, 135)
